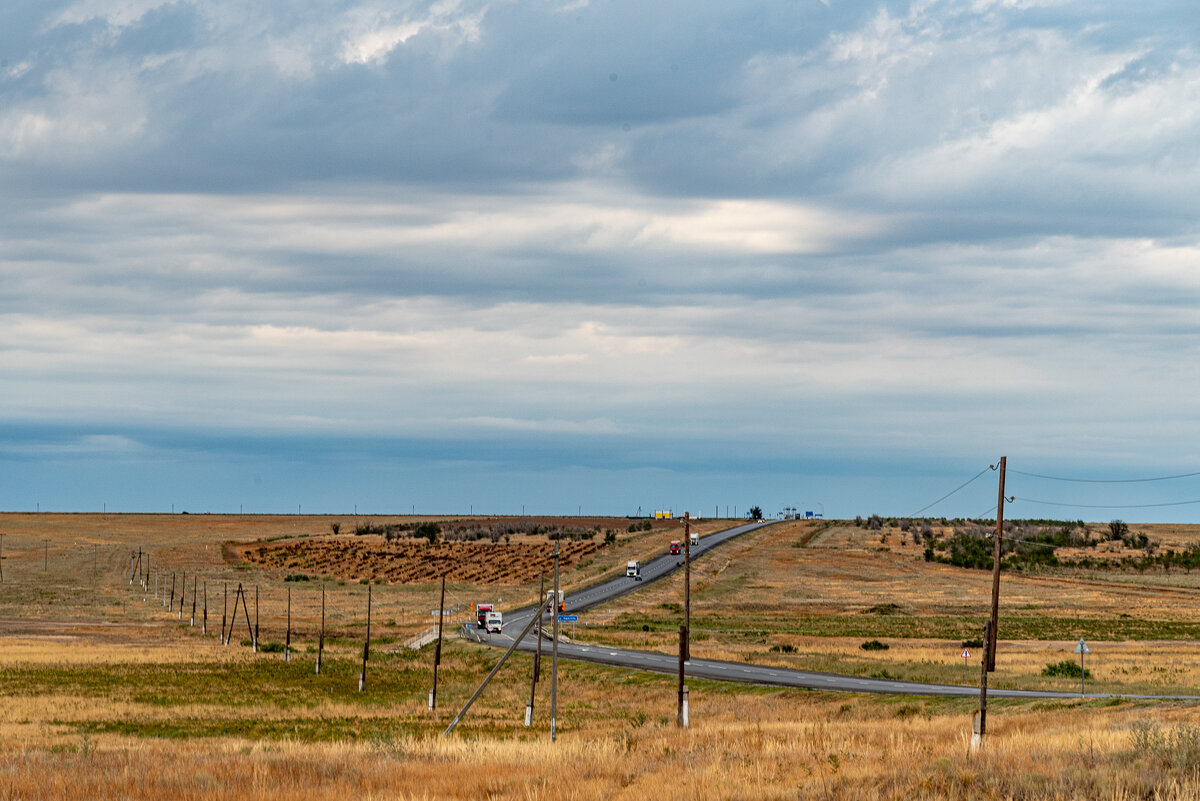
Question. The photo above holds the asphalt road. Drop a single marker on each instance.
(662, 566)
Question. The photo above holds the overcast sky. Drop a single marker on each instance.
(564, 255)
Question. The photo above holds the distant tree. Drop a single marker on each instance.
(429, 530)
(1117, 530)
(335, 527)
(756, 513)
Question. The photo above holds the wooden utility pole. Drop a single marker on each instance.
(204, 623)
(287, 637)
(554, 655)
(685, 649)
(362, 678)
(195, 582)
(437, 651)
(224, 610)
(171, 602)
(256, 618)
(681, 714)
(979, 730)
(241, 593)
(537, 654)
(995, 618)
(321, 636)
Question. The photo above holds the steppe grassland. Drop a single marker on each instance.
(825, 595)
(103, 704)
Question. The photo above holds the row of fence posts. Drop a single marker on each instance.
(141, 573)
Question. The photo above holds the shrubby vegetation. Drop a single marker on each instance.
(492, 530)
(1033, 544)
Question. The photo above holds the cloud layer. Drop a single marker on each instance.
(594, 253)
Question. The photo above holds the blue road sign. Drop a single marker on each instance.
(567, 618)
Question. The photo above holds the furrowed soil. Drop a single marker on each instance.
(107, 693)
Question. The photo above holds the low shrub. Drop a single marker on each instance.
(1068, 668)
(874, 645)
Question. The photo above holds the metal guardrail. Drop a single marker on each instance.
(421, 640)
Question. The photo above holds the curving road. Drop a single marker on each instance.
(718, 670)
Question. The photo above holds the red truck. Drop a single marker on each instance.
(674, 549)
(481, 612)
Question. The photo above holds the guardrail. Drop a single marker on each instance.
(421, 640)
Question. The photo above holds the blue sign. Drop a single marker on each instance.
(567, 618)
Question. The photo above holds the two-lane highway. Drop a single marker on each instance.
(662, 566)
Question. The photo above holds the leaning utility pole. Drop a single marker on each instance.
(994, 629)
(516, 641)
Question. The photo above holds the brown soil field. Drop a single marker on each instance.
(407, 561)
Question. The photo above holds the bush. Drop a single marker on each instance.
(429, 530)
(296, 577)
(1067, 668)
(335, 527)
(270, 647)
(785, 648)
(874, 645)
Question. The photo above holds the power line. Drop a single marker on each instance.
(951, 492)
(1106, 480)
(1110, 506)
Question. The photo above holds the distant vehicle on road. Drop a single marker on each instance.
(674, 549)
(633, 570)
(562, 605)
(495, 623)
(694, 539)
(481, 613)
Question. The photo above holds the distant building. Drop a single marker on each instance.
(663, 514)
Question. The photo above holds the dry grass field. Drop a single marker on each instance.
(103, 694)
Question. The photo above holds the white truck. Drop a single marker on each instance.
(694, 538)
(633, 570)
(495, 623)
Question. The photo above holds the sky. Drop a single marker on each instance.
(600, 257)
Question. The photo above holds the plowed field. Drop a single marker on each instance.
(411, 561)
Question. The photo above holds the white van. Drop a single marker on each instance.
(694, 539)
(495, 623)
(633, 570)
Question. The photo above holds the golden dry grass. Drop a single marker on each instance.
(106, 696)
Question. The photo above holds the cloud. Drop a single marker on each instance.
(654, 236)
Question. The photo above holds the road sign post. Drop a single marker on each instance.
(965, 656)
(1081, 648)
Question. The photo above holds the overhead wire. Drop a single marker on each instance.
(951, 492)
(1110, 506)
(1106, 480)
